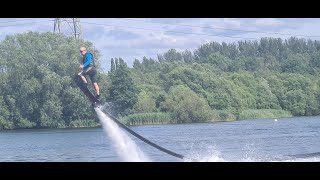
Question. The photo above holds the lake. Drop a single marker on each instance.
(263, 140)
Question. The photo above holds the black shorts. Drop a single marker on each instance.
(91, 72)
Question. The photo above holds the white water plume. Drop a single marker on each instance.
(125, 146)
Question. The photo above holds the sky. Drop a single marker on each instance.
(134, 38)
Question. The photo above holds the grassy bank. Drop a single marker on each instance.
(263, 113)
(217, 116)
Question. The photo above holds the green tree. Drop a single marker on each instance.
(187, 105)
(137, 64)
(220, 61)
(187, 56)
(113, 66)
(145, 104)
(295, 63)
(123, 91)
(296, 102)
(172, 55)
(40, 67)
(5, 122)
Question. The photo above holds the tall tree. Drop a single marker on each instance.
(172, 55)
(123, 91)
(137, 64)
(113, 66)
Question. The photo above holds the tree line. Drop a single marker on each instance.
(216, 82)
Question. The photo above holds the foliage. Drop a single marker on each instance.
(271, 77)
(37, 88)
(123, 91)
(186, 105)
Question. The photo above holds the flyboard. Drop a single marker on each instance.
(96, 103)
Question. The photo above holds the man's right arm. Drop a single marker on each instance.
(89, 58)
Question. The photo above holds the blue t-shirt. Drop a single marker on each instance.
(88, 57)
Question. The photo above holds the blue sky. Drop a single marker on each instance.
(131, 38)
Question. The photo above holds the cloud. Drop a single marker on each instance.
(268, 22)
(119, 34)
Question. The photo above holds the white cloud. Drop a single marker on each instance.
(163, 37)
(234, 23)
(268, 22)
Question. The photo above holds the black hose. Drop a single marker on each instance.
(146, 140)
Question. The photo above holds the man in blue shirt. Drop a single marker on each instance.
(88, 68)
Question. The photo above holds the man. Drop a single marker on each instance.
(88, 68)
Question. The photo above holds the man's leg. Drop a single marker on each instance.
(92, 76)
(83, 78)
(96, 87)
